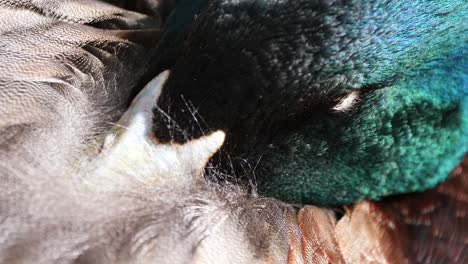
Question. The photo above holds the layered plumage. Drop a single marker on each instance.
(426, 227)
(63, 78)
(72, 191)
(70, 195)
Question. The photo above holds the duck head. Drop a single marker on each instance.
(331, 102)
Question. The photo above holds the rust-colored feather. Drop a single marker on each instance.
(437, 220)
(428, 227)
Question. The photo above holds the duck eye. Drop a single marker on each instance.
(347, 102)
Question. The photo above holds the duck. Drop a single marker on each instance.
(383, 137)
(84, 179)
(139, 184)
(332, 102)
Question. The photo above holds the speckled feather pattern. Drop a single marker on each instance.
(381, 96)
(59, 79)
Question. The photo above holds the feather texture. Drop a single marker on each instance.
(275, 70)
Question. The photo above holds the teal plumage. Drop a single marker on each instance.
(326, 104)
(282, 64)
(403, 138)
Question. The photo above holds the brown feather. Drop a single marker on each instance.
(428, 227)
(436, 220)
